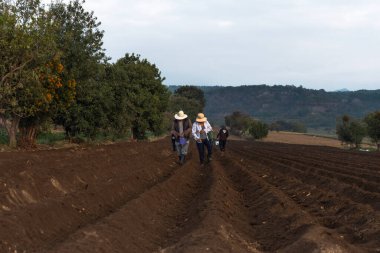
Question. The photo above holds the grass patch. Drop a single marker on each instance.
(3, 136)
(50, 138)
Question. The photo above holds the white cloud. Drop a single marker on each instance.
(312, 43)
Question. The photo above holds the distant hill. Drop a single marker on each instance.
(343, 90)
(316, 109)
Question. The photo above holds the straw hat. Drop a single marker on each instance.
(201, 118)
(180, 115)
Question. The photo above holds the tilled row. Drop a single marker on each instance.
(224, 225)
(31, 177)
(349, 187)
(45, 221)
(350, 171)
(321, 198)
(195, 210)
(252, 200)
(155, 219)
(356, 158)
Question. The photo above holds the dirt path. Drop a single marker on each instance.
(133, 197)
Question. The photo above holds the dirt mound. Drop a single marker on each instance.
(134, 197)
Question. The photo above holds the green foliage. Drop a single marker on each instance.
(373, 126)
(281, 125)
(238, 122)
(314, 108)
(189, 99)
(146, 98)
(192, 93)
(121, 115)
(3, 136)
(90, 115)
(50, 138)
(351, 131)
(344, 133)
(80, 40)
(258, 129)
(27, 45)
(359, 131)
(190, 106)
(127, 97)
(44, 49)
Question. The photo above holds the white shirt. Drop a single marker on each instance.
(197, 127)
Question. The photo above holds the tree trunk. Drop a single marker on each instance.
(11, 126)
(134, 133)
(28, 136)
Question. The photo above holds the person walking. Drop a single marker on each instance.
(222, 138)
(181, 130)
(201, 129)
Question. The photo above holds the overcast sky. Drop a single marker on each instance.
(319, 44)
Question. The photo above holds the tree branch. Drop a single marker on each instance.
(13, 70)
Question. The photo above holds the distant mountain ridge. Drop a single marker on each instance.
(343, 90)
(314, 108)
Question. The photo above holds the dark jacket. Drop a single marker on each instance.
(186, 128)
(223, 134)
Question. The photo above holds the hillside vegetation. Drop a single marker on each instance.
(316, 109)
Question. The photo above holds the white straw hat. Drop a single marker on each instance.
(180, 115)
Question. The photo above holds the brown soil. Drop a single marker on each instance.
(134, 197)
(299, 138)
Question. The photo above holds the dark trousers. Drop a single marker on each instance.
(222, 145)
(201, 149)
(173, 144)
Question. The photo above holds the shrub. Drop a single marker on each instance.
(258, 129)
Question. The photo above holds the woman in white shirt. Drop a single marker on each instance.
(200, 130)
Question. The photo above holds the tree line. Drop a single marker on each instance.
(53, 68)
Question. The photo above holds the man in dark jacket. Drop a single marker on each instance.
(222, 138)
(181, 129)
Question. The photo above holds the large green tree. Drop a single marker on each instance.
(190, 106)
(189, 99)
(192, 92)
(351, 131)
(26, 45)
(145, 96)
(81, 40)
(373, 127)
(44, 98)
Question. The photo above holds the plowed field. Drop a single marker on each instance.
(134, 197)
